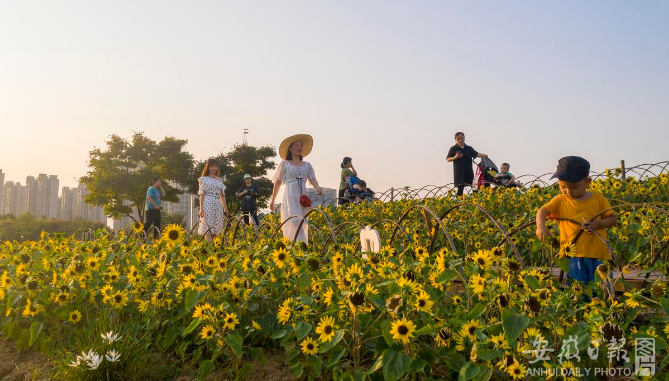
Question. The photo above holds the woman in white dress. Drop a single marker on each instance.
(213, 208)
(293, 171)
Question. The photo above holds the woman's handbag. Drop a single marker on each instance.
(305, 201)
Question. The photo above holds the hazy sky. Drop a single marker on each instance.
(385, 82)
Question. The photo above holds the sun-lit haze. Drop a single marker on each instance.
(385, 82)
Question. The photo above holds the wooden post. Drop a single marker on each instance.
(622, 168)
(392, 194)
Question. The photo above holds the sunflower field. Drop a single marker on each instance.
(461, 289)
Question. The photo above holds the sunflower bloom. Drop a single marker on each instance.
(424, 303)
(231, 321)
(281, 257)
(402, 330)
(309, 346)
(207, 332)
(326, 329)
(173, 234)
(74, 317)
(477, 283)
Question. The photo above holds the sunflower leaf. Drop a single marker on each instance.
(476, 311)
(235, 341)
(395, 364)
(514, 324)
(302, 329)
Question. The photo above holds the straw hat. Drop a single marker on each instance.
(307, 144)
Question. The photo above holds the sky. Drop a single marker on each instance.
(385, 82)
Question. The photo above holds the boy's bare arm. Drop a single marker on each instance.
(542, 232)
(604, 223)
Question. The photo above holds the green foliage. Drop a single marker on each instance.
(27, 227)
(119, 176)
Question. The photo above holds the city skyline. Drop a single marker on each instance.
(386, 83)
(42, 198)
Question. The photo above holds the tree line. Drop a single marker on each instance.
(119, 175)
(27, 227)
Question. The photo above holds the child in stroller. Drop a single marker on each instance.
(505, 179)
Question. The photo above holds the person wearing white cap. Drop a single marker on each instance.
(293, 171)
(249, 194)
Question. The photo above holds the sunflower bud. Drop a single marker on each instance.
(313, 263)
(357, 298)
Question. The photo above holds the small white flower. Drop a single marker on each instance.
(95, 361)
(110, 336)
(113, 356)
(75, 364)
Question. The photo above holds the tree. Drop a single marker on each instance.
(119, 176)
(242, 159)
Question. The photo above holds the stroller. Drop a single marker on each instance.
(485, 174)
(351, 191)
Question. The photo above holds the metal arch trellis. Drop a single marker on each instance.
(425, 209)
(499, 226)
(303, 220)
(642, 170)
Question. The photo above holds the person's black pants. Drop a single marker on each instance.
(253, 213)
(341, 198)
(152, 219)
(461, 189)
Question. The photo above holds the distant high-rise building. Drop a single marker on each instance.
(73, 205)
(66, 202)
(328, 198)
(2, 187)
(30, 203)
(47, 196)
(13, 196)
(183, 206)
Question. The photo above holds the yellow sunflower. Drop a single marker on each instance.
(75, 317)
(567, 250)
(477, 283)
(309, 346)
(281, 257)
(469, 328)
(327, 296)
(119, 299)
(326, 329)
(516, 371)
(207, 332)
(93, 263)
(137, 227)
(62, 298)
(483, 259)
(424, 303)
(231, 321)
(402, 330)
(173, 234)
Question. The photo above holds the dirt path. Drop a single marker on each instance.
(15, 366)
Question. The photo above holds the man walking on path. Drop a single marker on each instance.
(153, 195)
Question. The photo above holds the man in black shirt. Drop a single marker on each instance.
(461, 155)
(249, 193)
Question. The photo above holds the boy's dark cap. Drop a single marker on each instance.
(572, 169)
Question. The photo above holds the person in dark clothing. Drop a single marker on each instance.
(461, 155)
(347, 171)
(249, 194)
(364, 193)
(153, 206)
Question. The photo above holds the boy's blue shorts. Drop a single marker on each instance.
(583, 269)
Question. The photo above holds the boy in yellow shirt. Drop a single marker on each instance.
(576, 203)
